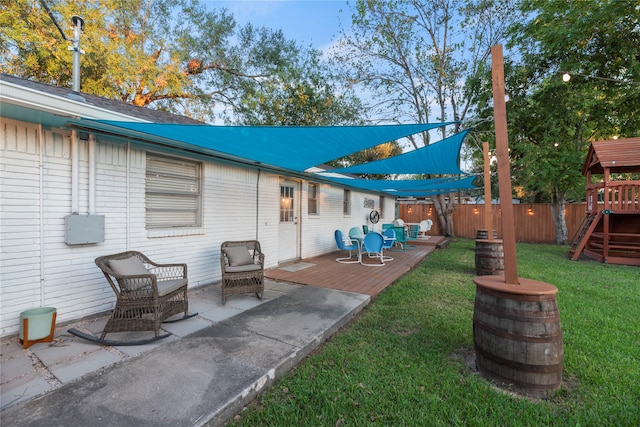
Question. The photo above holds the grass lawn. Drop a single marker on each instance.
(408, 359)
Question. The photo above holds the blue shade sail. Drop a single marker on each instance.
(390, 184)
(408, 187)
(292, 148)
(441, 157)
(452, 186)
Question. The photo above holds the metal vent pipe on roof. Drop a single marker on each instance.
(78, 28)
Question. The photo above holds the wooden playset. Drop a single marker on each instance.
(610, 231)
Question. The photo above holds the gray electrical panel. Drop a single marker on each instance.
(84, 229)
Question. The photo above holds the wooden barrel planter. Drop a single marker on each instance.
(484, 234)
(489, 257)
(517, 335)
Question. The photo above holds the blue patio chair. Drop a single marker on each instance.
(372, 246)
(389, 236)
(355, 233)
(346, 244)
(413, 231)
(401, 238)
(365, 229)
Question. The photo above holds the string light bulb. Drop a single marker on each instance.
(566, 76)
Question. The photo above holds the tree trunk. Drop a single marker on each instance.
(559, 220)
(444, 207)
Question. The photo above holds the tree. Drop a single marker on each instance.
(382, 151)
(551, 122)
(302, 92)
(175, 55)
(414, 55)
(140, 52)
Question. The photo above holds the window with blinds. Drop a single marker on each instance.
(172, 192)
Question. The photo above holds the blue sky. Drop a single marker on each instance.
(310, 22)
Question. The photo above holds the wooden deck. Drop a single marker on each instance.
(325, 272)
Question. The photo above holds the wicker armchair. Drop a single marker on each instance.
(242, 267)
(147, 293)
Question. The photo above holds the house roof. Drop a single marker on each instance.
(618, 155)
(95, 102)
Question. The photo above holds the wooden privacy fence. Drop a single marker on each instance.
(533, 222)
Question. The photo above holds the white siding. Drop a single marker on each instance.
(19, 222)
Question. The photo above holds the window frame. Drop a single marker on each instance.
(287, 210)
(313, 199)
(178, 192)
(346, 202)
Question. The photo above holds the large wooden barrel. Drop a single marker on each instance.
(489, 257)
(517, 337)
(484, 234)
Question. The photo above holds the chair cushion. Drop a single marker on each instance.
(242, 268)
(167, 286)
(131, 266)
(238, 255)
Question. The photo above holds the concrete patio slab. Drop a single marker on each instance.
(204, 377)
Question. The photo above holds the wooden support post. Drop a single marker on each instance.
(608, 198)
(494, 346)
(504, 172)
(488, 207)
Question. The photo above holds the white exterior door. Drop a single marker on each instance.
(289, 213)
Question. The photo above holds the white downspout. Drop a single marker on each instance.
(41, 208)
(258, 204)
(75, 173)
(92, 174)
(127, 202)
(299, 220)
